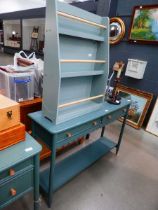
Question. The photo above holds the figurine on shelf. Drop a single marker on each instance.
(114, 97)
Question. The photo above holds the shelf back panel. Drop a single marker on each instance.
(75, 48)
(73, 89)
(71, 112)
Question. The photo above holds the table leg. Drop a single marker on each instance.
(121, 132)
(51, 173)
(36, 183)
(33, 130)
(102, 132)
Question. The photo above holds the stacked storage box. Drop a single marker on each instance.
(17, 86)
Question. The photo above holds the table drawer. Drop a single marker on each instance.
(14, 170)
(69, 134)
(12, 189)
(114, 116)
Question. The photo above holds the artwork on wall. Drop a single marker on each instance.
(152, 125)
(140, 102)
(144, 26)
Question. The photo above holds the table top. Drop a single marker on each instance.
(53, 129)
(19, 152)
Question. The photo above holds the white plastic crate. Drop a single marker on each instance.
(135, 68)
(17, 86)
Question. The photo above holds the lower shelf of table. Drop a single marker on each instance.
(75, 163)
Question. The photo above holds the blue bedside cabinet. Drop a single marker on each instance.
(19, 172)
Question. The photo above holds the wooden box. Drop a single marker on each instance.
(12, 136)
(9, 113)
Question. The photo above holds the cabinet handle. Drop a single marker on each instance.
(12, 192)
(11, 172)
(94, 123)
(9, 114)
(69, 135)
(109, 117)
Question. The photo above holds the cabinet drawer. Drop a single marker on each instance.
(114, 116)
(17, 186)
(67, 135)
(13, 171)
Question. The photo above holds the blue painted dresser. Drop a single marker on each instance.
(56, 136)
(19, 172)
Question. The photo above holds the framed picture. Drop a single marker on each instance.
(140, 102)
(144, 25)
(152, 125)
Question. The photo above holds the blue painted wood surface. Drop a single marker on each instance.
(81, 73)
(75, 163)
(23, 160)
(18, 153)
(61, 134)
(73, 40)
(53, 128)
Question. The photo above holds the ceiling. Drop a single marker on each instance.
(16, 5)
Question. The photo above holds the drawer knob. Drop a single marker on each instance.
(9, 114)
(109, 117)
(12, 192)
(11, 172)
(69, 135)
(94, 123)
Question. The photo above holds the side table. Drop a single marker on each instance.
(19, 172)
(55, 136)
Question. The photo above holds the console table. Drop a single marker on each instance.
(19, 171)
(56, 136)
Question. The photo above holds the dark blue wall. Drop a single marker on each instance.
(103, 7)
(125, 50)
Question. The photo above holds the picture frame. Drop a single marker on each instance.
(140, 102)
(117, 30)
(152, 126)
(144, 28)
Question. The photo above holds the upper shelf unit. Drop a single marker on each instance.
(71, 31)
(76, 61)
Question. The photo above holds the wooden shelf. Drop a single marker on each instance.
(82, 61)
(83, 20)
(81, 73)
(81, 34)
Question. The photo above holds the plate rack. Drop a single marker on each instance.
(76, 62)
